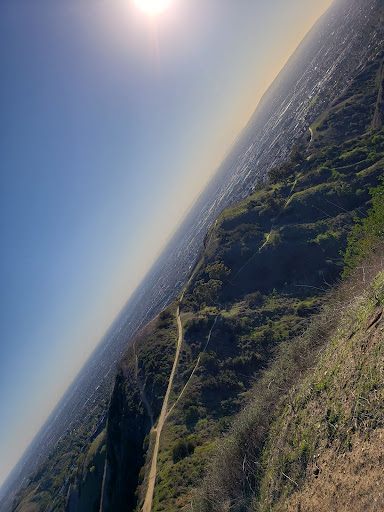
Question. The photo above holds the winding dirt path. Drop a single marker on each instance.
(195, 368)
(163, 416)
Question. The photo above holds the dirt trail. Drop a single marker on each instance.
(163, 416)
(195, 368)
(103, 486)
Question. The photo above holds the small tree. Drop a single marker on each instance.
(287, 169)
(217, 270)
(207, 293)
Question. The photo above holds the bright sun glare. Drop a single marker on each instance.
(153, 7)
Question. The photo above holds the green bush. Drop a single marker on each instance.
(191, 416)
(303, 309)
(217, 271)
(207, 293)
(367, 233)
(181, 450)
(254, 299)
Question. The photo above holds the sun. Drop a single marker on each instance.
(152, 7)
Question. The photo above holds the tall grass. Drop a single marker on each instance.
(232, 479)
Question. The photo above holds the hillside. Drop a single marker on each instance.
(266, 268)
(331, 445)
(311, 437)
(267, 265)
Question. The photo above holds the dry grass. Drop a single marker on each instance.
(351, 481)
(267, 455)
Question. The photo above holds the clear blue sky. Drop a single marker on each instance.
(111, 123)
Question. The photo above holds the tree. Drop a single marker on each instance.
(207, 293)
(217, 270)
(287, 169)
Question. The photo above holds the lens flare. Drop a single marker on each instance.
(152, 7)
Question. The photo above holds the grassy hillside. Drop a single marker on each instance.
(268, 264)
(311, 438)
(325, 450)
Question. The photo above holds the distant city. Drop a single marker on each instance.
(283, 116)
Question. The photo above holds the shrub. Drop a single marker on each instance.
(166, 314)
(303, 308)
(217, 271)
(191, 416)
(254, 299)
(287, 169)
(367, 233)
(207, 293)
(181, 450)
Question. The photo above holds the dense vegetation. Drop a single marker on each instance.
(367, 234)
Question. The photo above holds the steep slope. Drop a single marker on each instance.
(140, 388)
(300, 220)
(329, 438)
(311, 437)
(266, 265)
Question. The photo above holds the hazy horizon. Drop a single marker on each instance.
(113, 123)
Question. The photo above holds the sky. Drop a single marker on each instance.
(112, 121)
